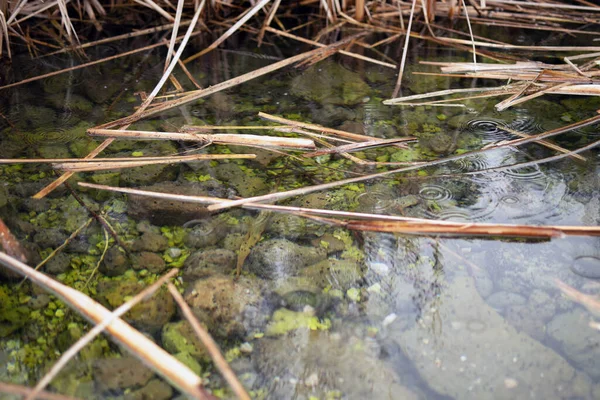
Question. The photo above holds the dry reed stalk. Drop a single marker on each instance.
(208, 128)
(216, 138)
(330, 185)
(98, 329)
(256, 8)
(119, 159)
(591, 303)
(173, 63)
(552, 5)
(153, 6)
(4, 35)
(89, 64)
(545, 143)
(404, 51)
(64, 177)
(470, 229)
(176, 25)
(116, 38)
(382, 223)
(360, 10)
(210, 344)
(344, 52)
(315, 127)
(139, 345)
(97, 165)
(268, 21)
(198, 94)
(21, 391)
(10, 244)
(361, 146)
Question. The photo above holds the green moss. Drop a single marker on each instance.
(176, 262)
(175, 235)
(353, 294)
(284, 321)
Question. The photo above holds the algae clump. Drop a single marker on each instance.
(285, 321)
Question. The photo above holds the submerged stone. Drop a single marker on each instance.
(115, 263)
(150, 261)
(155, 390)
(221, 303)
(120, 373)
(179, 337)
(150, 241)
(587, 267)
(278, 258)
(330, 83)
(577, 340)
(327, 365)
(482, 351)
(149, 315)
(204, 263)
(335, 274)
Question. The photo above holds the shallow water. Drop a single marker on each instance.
(319, 311)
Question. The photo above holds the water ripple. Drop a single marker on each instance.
(375, 201)
(491, 129)
(435, 193)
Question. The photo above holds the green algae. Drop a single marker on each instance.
(284, 321)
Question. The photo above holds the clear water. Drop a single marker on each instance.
(400, 317)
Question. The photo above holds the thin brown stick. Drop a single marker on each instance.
(98, 329)
(315, 127)
(210, 344)
(139, 345)
(229, 32)
(116, 38)
(330, 185)
(198, 94)
(382, 223)
(24, 391)
(360, 146)
(404, 51)
(268, 21)
(344, 52)
(62, 71)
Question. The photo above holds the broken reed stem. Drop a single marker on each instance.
(62, 246)
(256, 8)
(64, 177)
(139, 345)
(216, 138)
(116, 38)
(210, 344)
(315, 127)
(106, 164)
(382, 223)
(62, 71)
(22, 391)
(344, 52)
(198, 94)
(330, 185)
(404, 51)
(98, 329)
